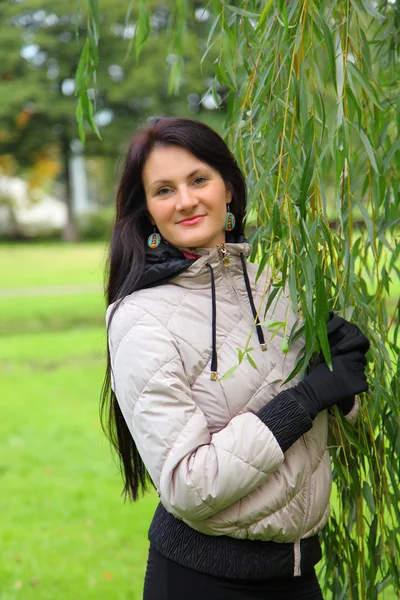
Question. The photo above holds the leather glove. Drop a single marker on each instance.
(323, 388)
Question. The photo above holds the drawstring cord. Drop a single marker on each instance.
(214, 327)
(259, 330)
(260, 333)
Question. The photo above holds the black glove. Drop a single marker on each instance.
(340, 331)
(323, 388)
(289, 415)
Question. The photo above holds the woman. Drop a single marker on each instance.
(240, 463)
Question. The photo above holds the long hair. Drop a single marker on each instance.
(126, 257)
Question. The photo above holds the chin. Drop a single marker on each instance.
(196, 242)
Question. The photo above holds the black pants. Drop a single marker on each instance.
(167, 580)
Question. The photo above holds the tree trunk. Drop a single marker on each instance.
(70, 233)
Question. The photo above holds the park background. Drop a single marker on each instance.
(65, 531)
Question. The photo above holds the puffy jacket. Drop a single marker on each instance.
(215, 463)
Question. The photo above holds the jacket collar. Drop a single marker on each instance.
(166, 261)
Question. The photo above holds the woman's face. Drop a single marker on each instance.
(186, 198)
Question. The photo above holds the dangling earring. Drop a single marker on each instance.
(154, 239)
(230, 220)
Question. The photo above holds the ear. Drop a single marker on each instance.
(150, 218)
(228, 196)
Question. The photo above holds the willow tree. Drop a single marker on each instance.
(311, 94)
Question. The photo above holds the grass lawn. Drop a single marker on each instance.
(65, 532)
(51, 264)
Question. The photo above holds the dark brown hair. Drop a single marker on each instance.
(126, 257)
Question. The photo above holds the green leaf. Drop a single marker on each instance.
(363, 81)
(327, 35)
(305, 182)
(369, 224)
(209, 45)
(79, 118)
(355, 103)
(369, 497)
(87, 108)
(251, 361)
(94, 7)
(299, 366)
(241, 11)
(284, 345)
(324, 342)
(228, 373)
(80, 75)
(264, 14)
(143, 28)
(370, 151)
(271, 298)
(366, 53)
(293, 288)
(369, 8)
(390, 154)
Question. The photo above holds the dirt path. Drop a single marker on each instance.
(50, 290)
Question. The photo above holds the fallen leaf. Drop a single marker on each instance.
(18, 584)
(107, 576)
(34, 582)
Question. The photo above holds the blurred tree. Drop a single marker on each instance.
(37, 78)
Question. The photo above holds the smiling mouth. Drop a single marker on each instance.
(191, 220)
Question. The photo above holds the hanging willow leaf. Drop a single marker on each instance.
(365, 84)
(370, 152)
(94, 7)
(305, 182)
(143, 28)
(326, 34)
(241, 11)
(86, 72)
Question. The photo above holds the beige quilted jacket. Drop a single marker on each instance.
(215, 464)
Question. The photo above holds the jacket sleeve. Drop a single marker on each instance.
(197, 473)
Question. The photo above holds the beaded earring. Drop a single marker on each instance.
(230, 220)
(154, 239)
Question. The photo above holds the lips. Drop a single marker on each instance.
(192, 220)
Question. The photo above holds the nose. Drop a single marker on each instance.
(186, 199)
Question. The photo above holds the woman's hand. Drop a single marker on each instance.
(323, 388)
(341, 331)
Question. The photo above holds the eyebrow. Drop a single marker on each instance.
(169, 181)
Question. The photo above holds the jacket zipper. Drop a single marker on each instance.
(225, 258)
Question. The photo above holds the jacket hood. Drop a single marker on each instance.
(166, 262)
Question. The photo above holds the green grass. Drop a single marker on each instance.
(26, 314)
(65, 531)
(30, 264)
